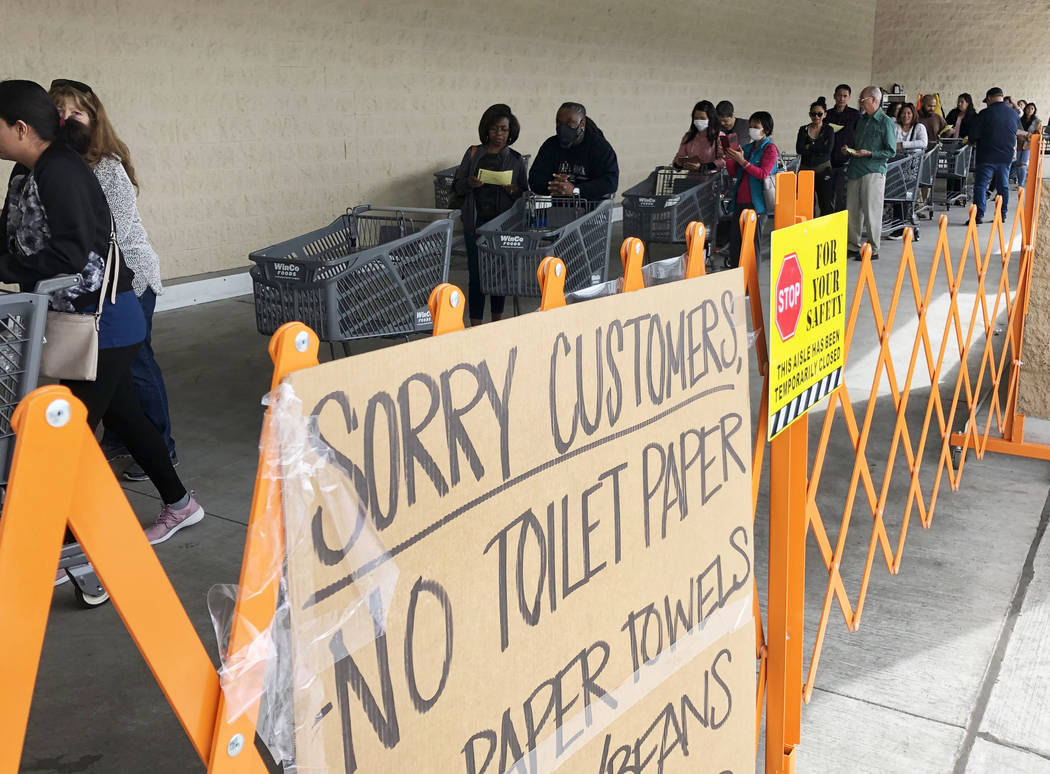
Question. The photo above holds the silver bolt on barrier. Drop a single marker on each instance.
(58, 413)
(558, 269)
(235, 746)
(454, 299)
(302, 341)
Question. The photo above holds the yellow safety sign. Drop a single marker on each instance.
(807, 305)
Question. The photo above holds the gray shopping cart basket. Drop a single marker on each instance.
(368, 273)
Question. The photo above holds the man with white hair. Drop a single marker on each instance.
(874, 143)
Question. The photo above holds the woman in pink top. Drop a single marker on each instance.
(750, 166)
(700, 150)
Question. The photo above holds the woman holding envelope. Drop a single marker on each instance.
(490, 178)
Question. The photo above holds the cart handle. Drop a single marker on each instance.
(450, 214)
(53, 284)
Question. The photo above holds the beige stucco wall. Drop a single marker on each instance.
(1033, 397)
(956, 46)
(251, 122)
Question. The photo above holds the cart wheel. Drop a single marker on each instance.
(90, 600)
(956, 456)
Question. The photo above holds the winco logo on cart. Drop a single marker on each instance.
(646, 201)
(511, 241)
(288, 271)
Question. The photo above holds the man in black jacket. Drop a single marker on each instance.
(995, 134)
(577, 160)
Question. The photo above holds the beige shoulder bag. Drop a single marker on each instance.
(71, 339)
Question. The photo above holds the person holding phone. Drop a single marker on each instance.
(750, 166)
(577, 160)
(482, 201)
(700, 150)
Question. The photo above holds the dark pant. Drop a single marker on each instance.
(475, 298)
(838, 190)
(736, 238)
(112, 398)
(998, 175)
(149, 382)
(824, 188)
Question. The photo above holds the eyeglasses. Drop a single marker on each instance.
(816, 115)
(59, 83)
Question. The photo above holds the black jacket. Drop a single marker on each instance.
(56, 221)
(468, 167)
(995, 133)
(967, 123)
(592, 165)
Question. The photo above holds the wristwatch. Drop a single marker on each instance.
(576, 191)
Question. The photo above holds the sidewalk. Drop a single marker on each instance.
(949, 671)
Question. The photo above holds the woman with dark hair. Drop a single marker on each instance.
(55, 221)
(1031, 126)
(960, 122)
(700, 150)
(577, 160)
(110, 159)
(813, 145)
(490, 178)
(751, 165)
(960, 118)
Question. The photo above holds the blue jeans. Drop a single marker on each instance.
(1021, 166)
(149, 382)
(999, 175)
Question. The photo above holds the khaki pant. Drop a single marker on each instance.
(864, 202)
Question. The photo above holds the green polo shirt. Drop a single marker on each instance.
(876, 133)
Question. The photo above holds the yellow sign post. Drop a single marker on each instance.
(807, 303)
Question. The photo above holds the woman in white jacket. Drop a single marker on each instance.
(911, 138)
(911, 134)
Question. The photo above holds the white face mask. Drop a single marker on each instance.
(701, 124)
(754, 134)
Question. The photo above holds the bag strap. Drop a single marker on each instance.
(112, 265)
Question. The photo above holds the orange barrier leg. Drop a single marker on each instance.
(292, 347)
(59, 470)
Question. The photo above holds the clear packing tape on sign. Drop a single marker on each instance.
(271, 669)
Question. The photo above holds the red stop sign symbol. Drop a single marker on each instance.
(789, 297)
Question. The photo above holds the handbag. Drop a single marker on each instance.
(71, 340)
(455, 201)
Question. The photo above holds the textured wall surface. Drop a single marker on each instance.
(956, 46)
(1033, 397)
(251, 122)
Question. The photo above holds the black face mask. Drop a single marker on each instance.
(567, 136)
(77, 136)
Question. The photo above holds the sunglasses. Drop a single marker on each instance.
(816, 115)
(59, 83)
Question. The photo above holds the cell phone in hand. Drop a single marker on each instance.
(724, 140)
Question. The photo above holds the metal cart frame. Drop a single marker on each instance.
(659, 208)
(367, 274)
(902, 189)
(953, 164)
(511, 246)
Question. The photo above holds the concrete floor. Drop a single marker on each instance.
(949, 672)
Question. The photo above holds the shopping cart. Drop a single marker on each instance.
(660, 207)
(927, 178)
(367, 274)
(901, 192)
(511, 246)
(953, 166)
(22, 318)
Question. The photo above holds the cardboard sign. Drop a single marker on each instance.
(527, 547)
(807, 306)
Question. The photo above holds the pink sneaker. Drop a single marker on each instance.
(171, 520)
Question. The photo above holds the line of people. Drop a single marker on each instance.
(72, 186)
